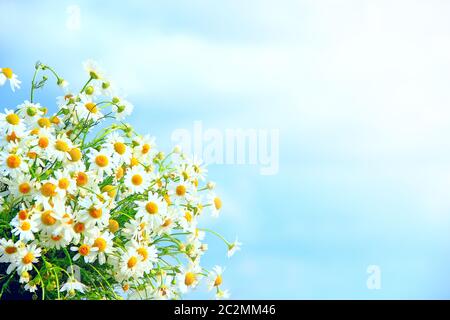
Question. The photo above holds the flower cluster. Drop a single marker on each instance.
(96, 211)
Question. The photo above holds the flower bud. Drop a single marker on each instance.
(31, 111)
(89, 90)
(210, 185)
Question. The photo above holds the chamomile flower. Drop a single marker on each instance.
(147, 254)
(7, 74)
(8, 251)
(93, 212)
(85, 251)
(26, 257)
(151, 210)
(21, 185)
(120, 152)
(93, 69)
(65, 182)
(46, 220)
(14, 163)
(136, 229)
(11, 122)
(103, 241)
(145, 148)
(130, 264)
(24, 229)
(54, 240)
(215, 204)
(222, 294)
(29, 111)
(73, 285)
(101, 161)
(188, 278)
(60, 148)
(215, 277)
(180, 191)
(233, 247)
(87, 109)
(137, 180)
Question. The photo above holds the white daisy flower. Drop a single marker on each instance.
(101, 161)
(151, 210)
(85, 251)
(103, 241)
(8, 74)
(130, 265)
(11, 122)
(120, 152)
(24, 229)
(215, 204)
(233, 247)
(86, 108)
(215, 277)
(73, 285)
(26, 257)
(188, 278)
(137, 180)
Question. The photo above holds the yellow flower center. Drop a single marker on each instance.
(48, 189)
(120, 147)
(23, 214)
(75, 154)
(63, 183)
(101, 160)
(100, 243)
(143, 253)
(167, 223)
(119, 173)
(13, 161)
(189, 278)
(217, 203)
(91, 107)
(151, 207)
(25, 226)
(188, 216)
(56, 238)
(110, 190)
(95, 213)
(146, 148)
(132, 262)
(44, 123)
(134, 162)
(218, 281)
(47, 218)
(82, 179)
(79, 227)
(180, 190)
(43, 142)
(7, 72)
(113, 225)
(84, 250)
(136, 179)
(61, 145)
(13, 119)
(24, 188)
(10, 250)
(12, 137)
(28, 258)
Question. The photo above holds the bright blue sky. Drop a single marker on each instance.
(358, 90)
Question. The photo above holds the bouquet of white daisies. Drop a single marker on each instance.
(91, 211)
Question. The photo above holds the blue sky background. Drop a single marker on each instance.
(358, 90)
